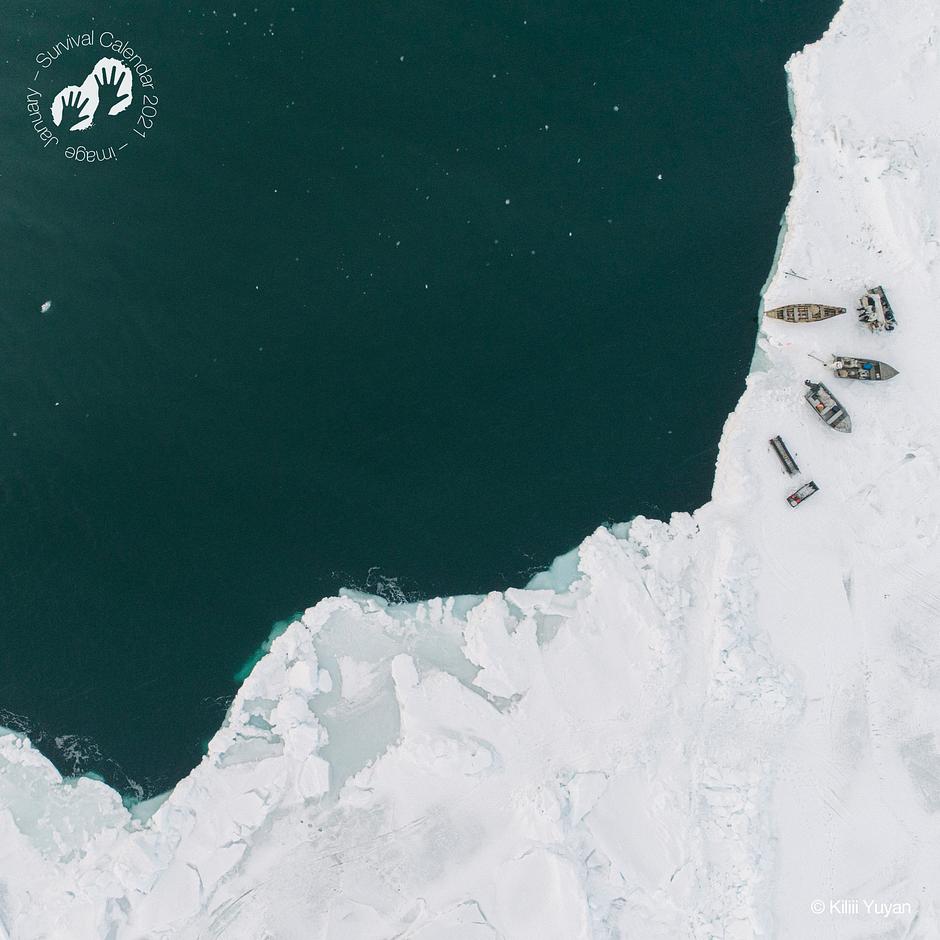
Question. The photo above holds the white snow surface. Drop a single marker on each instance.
(724, 722)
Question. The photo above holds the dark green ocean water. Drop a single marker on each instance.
(391, 296)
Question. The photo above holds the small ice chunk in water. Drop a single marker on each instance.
(46, 306)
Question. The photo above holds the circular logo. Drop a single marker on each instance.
(92, 98)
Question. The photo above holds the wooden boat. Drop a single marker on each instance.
(804, 313)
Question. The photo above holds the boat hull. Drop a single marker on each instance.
(874, 310)
(783, 453)
(804, 492)
(865, 370)
(804, 313)
(827, 407)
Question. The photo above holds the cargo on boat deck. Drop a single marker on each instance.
(875, 311)
(804, 492)
(866, 370)
(827, 406)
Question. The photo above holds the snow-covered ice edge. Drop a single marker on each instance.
(725, 723)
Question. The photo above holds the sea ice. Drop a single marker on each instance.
(720, 726)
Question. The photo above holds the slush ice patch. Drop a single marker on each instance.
(279, 627)
(561, 574)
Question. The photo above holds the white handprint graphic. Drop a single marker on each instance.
(106, 91)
